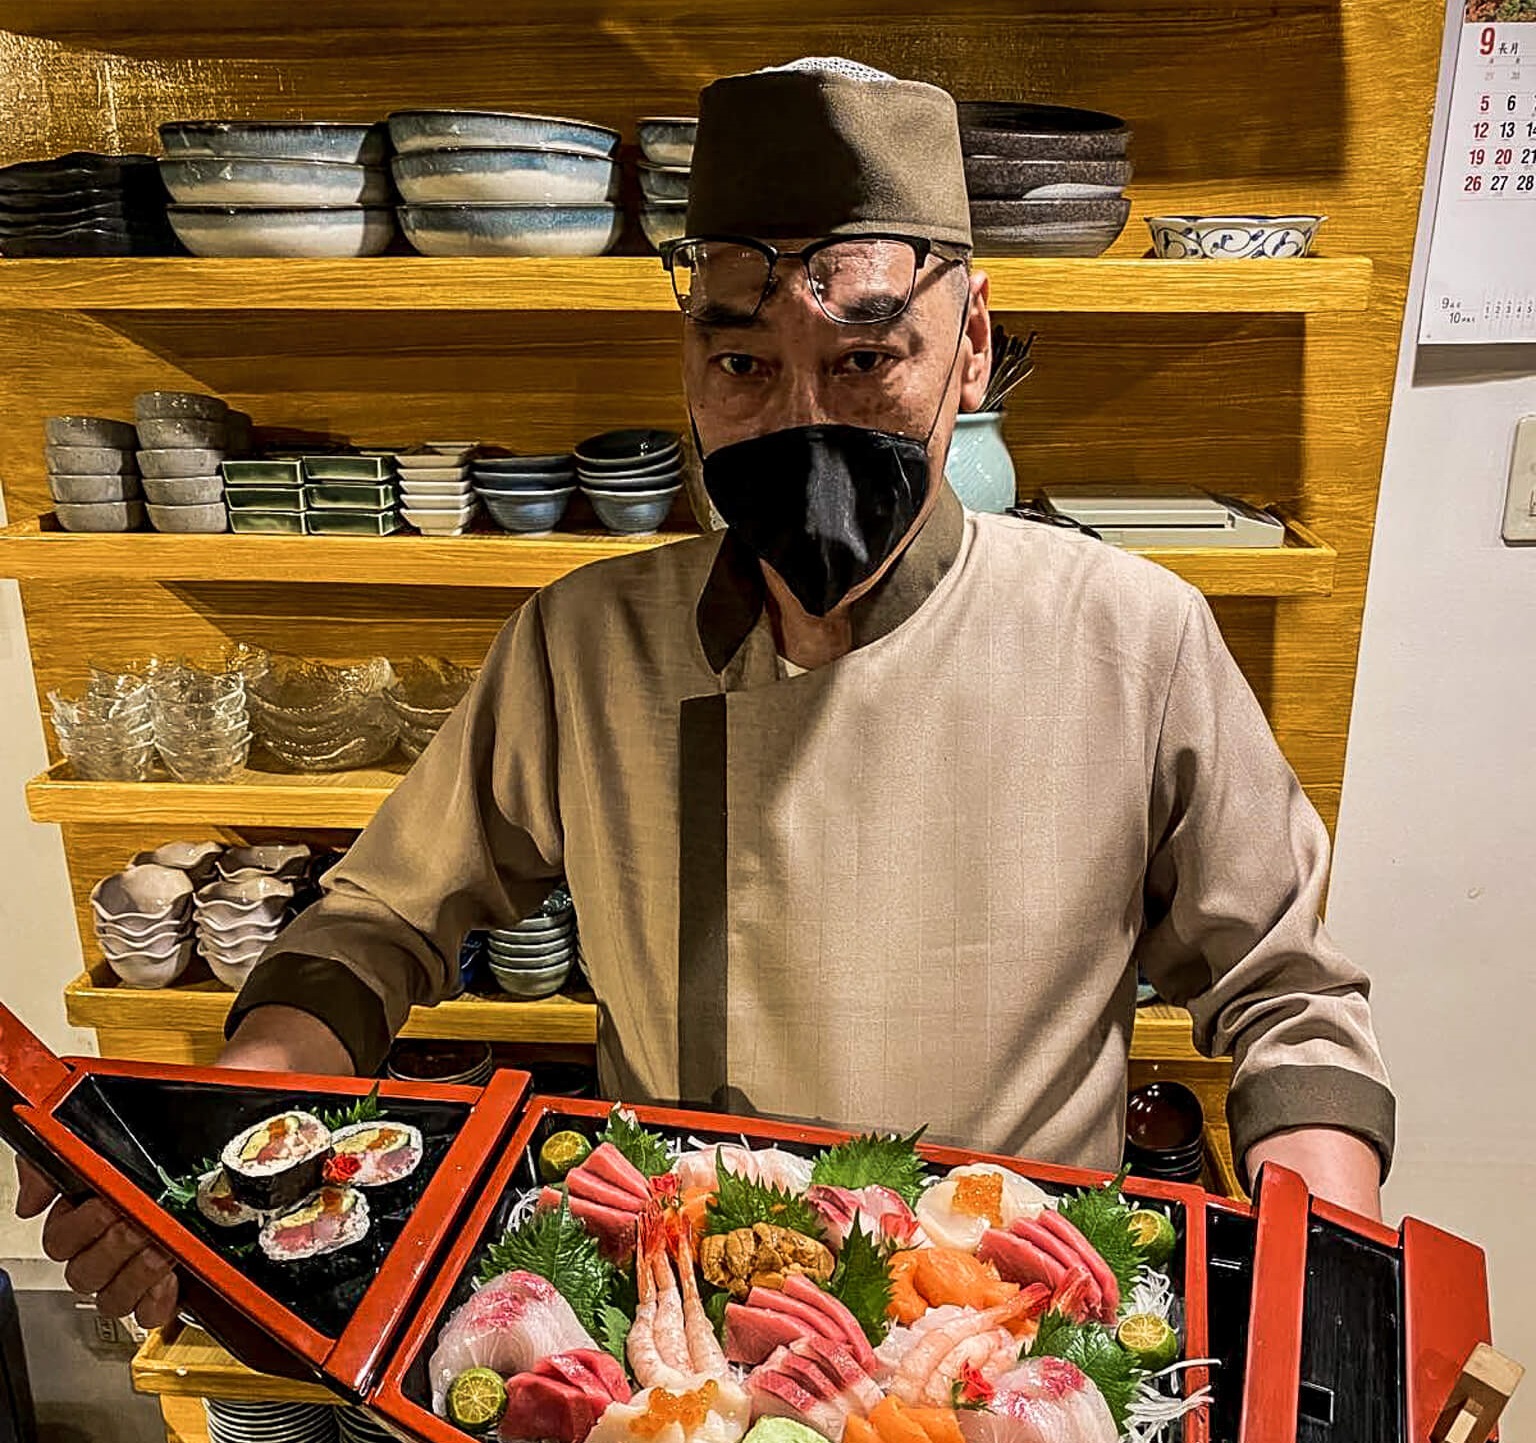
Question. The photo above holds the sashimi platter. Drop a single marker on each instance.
(637, 1284)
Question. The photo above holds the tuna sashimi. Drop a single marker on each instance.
(541, 1407)
(573, 1368)
(776, 1396)
(584, 1184)
(1043, 1400)
(843, 1324)
(1104, 1279)
(510, 1324)
(1077, 1273)
(810, 1320)
(771, 1166)
(614, 1230)
(609, 1164)
(877, 1211)
(1019, 1260)
(843, 1368)
(752, 1334)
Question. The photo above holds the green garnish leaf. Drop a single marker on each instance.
(715, 1305)
(738, 1204)
(861, 1282)
(613, 1330)
(873, 1158)
(366, 1109)
(181, 1192)
(556, 1246)
(647, 1150)
(1102, 1217)
(1092, 1347)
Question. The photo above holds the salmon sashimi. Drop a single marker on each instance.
(925, 1278)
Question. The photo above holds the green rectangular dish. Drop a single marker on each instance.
(264, 498)
(333, 497)
(351, 523)
(263, 473)
(349, 468)
(267, 523)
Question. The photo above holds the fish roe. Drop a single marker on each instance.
(664, 1408)
(980, 1197)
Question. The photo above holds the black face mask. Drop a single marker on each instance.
(826, 506)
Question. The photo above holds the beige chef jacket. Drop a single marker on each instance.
(911, 886)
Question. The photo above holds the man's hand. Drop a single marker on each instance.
(106, 1255)
(1336, 1165)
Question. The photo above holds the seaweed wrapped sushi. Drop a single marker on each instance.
(220, 1206)
(278, 1161)
(374, 1154)
(325, 1222)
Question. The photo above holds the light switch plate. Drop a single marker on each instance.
(1520, 500)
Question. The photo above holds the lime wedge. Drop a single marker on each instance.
(477, 1398)
(1154, 1344)
(1153, 1234)
(561, 1153)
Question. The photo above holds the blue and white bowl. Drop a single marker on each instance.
(664, 221)
(490, 229)
(668, 139)
(222, 180)
(522, 176)
(345, 231)
(277, 140)
(663, 182)
(631, 513)
(413, 130)
(528, 513)
(1233, 237)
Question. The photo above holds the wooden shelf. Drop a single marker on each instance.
(637, 283)
(35, 550)
(192, 1365)
(203, 1006)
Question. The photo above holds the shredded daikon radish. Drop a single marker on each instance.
(1153, 1412)
(1153, 1293)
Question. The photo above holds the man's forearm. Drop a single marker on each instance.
(1336, 1165)
(284, 1039)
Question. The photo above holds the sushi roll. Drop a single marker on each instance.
(278, 1161)
(373, 1154)
(325, 1222)
(220, 1206)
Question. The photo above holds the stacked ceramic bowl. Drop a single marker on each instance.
(631, 477)
(526, 494)
(201, 720)
(437, 496)
(85, 204)
(350, 496)
(247, 188)
(108, 733)
(1044, 180)
(237, 918)
(464, 1064)
(143, 917)
(533, 959)
(183, 436)
(199, 860)
(270, 1422)
(93, 473)
(482, 182)
(318, 718)
(423, 696)
(666, 147)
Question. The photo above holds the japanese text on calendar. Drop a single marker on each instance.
(1499, 143)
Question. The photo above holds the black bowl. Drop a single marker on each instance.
(624, 448)
(1164, 1119)
(1040, 132)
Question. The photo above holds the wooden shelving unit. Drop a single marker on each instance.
(36, 550)
(637, 283)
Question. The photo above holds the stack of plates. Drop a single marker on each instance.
(357, 1425)
(666, 142)
(256, 188)
(183, 436)
(265, 496)
(526, 494)
(483, 182)
(270, 1422)
(423, 696)
(631, 477)
(533, 959)
(436, 493)
(1044, 180)
(84, 204)
(350, 496)
(93, 473)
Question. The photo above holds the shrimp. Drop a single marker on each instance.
(671, 1329)
(652, 1367)
(704, 1350)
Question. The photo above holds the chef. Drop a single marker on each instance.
(870, 807)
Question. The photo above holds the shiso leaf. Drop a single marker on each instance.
(364, 1110)
(613, 1326)
(181, 1192)
(715, 1302)
(738, 1203)
(1102, 1217)
(1092, 1347)
(861, 1282)
(888, 1160)
(647, 1150)
(557, 1247)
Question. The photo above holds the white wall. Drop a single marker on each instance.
(1434, 879)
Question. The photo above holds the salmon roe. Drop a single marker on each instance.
(980, 1197)
(664, 1408)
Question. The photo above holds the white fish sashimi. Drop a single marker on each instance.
(1043, 1400)
(728, 1418)
(948, 1228)
(512, 1323)
(768, 1166)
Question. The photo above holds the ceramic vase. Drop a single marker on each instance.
(979, 467)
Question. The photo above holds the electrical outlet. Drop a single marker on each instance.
(1520, 500)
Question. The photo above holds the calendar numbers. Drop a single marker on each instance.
(1500, 169)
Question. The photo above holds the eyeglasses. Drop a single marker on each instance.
(856, 280)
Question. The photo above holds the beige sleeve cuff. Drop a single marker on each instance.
(1273, 1099)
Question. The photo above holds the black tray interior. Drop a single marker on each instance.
(1230, 1239)
(138, 1124)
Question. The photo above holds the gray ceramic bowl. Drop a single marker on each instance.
(90, 461)
(152, 972)
(534, 930)
(664, 464)
(663, 222)
(996, 177)
(511, 230)
(141, 895)
(1047, 227)
(164, 944)
(530, 513)
(214, 180)
(531, 949)
(277, 859)
(413, 130)
(668, 139)
(180, 461)
(205, 518)
(523, 176)
(660, 480)
(346, 231)
(197, 859)
(233, 974)
(1040, 132)
(663, 182)
(531, 986)
(518, 465)
(181, 433)
(90, 431)
(347, 143)
(184, 490)
(632, 513)
(626, 449)
(168, 405)
(101, 516)
(93, 490)
(528, 481)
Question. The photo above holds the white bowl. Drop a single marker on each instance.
(434, 465)
(441, 501)
(151, 972)
(246, 955)
(159, 944)
(230, 180)
(344, 231)
(433, 476)
(239, 935)
(1233, 237)
(231, 974)
(145, 893)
